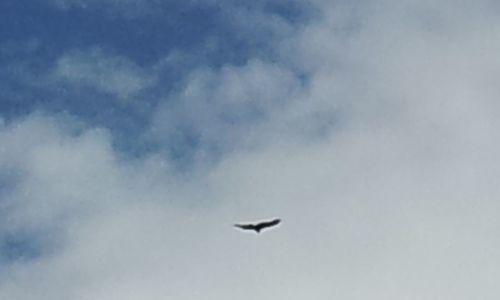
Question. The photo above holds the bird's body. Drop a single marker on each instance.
(258, 226)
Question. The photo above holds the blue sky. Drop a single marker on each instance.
(134, 133)
(37, 34)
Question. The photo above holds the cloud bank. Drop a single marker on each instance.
(371, 133)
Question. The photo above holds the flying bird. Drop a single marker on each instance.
(258, 226)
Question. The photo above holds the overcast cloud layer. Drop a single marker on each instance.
(370, 128)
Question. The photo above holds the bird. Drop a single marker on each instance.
(258, 226)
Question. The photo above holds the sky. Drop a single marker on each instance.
(135, 133)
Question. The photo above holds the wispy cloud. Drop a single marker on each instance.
(126, 8)
(219, 109)
(102, 72)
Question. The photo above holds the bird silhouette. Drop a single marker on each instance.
(258, 226)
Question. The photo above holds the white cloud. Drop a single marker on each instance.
(398, 201)
(227, 107)
(93, 68)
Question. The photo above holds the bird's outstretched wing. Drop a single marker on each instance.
(269, 223)
(245, 226)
